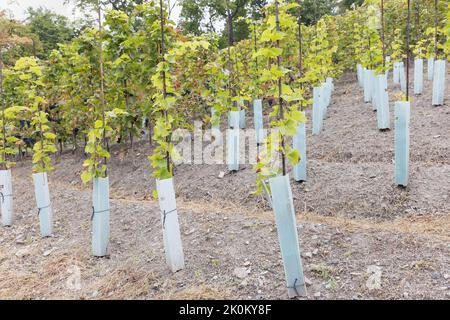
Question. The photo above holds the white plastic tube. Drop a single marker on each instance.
(443, 83)
(396, 73)
(100, 217)
(6, 199)
(328, 90)
(43, 203)
(331, 84)
(258, 120)
(402, 76)
(233, 141)
(430, 68)
(359, 74)
(388, 59)
(383, 119)
(215, 130)
(402, 116)
(299, 143)
(324, 98)
(170, 225)
(438, 83)
(283, 207)
(418, 76)
(317, 111)
(375, 93)
(368, 86)
(242, 122)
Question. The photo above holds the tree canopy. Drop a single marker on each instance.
(50, 28)
(205, 16)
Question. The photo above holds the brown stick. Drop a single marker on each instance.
(3, 110)
(41, 134)
(300, 43)
(255, 45)
(408, 27)
(300, 48)
(280, 91)
(382, 34)
(163, 74)
(102, 88)
(232, 92)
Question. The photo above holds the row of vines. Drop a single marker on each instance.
(138, 74)
(66, 86)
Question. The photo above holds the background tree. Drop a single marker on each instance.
(204, 16)
(50, 28)
(347, 4)
(312, 10)
(126, 6)
(15, 39)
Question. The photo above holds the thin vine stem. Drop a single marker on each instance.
(163, 74)
(280, 89)
(102, 85)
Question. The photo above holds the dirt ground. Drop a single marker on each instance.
(353, 222)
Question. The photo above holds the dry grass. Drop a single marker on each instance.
(18, 284)
(432, 226)
(437, 226)
(46, 278)
(128, 282)
(201, 292)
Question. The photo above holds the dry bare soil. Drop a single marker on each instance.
(353, 222)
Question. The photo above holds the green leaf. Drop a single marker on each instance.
(293, 156)
(86, 176)
(50, 136)
(98, 124)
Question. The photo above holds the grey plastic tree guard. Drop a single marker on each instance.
(388, 59)
(233, 141)
(368, 85)
(418, 76)
(328, 89)
(383, 103)
(258, 120)
(430, 68)
(43, 203)
(215, 130)
(359, 72)
(375, 93)
(402, 76)
(396, 73)
(402, 116)
(6, 194)
(242, 122)
(299, 143)
(329, 81)
(283, 206)
(170, 225)
(325, 101)
(438, 83)
(100, 217)
(317, 111)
